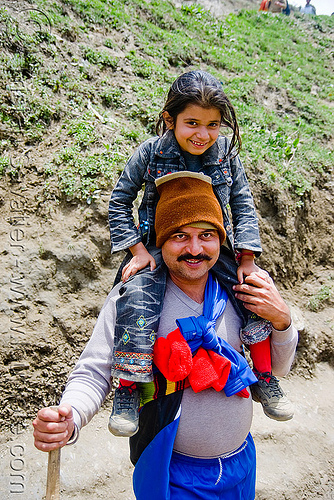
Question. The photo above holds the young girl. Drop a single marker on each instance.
(188, 139)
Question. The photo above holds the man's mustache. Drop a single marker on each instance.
(188, 256)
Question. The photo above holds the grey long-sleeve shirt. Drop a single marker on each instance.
(210, 424)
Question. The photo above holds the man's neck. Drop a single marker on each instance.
(194, 289)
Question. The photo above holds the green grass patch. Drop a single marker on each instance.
(4, 164)
(100, 58)
(277, 71)
(320, 299)
(81, 175)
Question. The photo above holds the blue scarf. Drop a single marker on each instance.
(200, 331)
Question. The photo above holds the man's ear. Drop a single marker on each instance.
(168, 120)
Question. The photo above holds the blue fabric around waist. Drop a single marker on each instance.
(199, 462)
(229, 478)
(161, 474)
(151, 475)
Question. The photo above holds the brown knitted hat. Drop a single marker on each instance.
(185, 198)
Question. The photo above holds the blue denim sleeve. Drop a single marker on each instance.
(244, 218)
(123, 231)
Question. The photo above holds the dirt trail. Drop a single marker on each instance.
(295, 458)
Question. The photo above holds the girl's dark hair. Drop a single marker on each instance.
(203, 89)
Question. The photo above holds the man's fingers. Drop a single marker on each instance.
(248, 291)
(53, 437)
(65, 410)
(53, 427)
(42, 446)
(256, 285)
(56, 413)
(259, 278)
(49, 427)
(249, 299)
(240, 275)
(50, 437)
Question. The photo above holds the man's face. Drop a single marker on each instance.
(190, 253)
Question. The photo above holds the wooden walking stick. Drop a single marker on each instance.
(53, 478)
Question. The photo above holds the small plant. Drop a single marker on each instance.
(100, 58)
(195, 10)
(13, 170)
(284, 145)
(81, 176)
(140, 66)
(320, 299)
(109, 43)
(112, 97)
(4, 164)
(133, 135)
(83, 131)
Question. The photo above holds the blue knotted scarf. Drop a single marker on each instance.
(200, 331)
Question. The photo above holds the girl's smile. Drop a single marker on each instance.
(196, 128)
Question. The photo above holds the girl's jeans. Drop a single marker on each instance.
(139, 308)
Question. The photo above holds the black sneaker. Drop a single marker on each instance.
(124, 418)
(274, 402)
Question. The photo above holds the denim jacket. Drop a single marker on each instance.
(159, 156)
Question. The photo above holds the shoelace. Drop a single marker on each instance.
(273, 385)
(126, 398)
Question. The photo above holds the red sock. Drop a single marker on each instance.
(127, 383)
(243, 393)
(261, 356)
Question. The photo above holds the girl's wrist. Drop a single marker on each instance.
(248, 254)
(138, 249)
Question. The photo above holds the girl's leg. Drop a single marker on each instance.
(267, 390)
(225, 271)
(261, 356)
(255, 334)
(138, 310)
(123, 420)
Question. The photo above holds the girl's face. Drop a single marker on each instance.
(196, 128)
